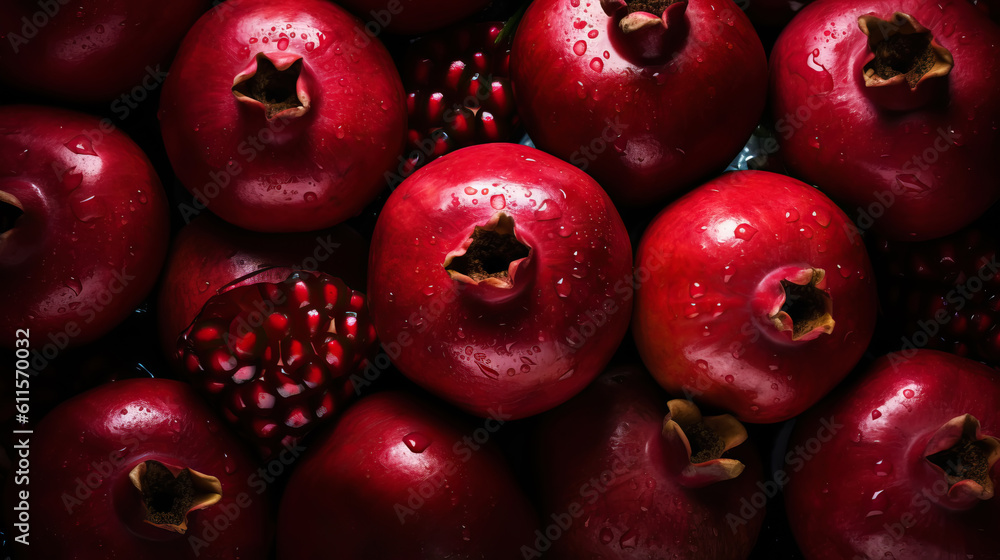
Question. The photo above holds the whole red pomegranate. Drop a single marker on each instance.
(83, 227)
(503, 276)
(282, 117)
(412, 16)
(625, 474)
(209, 256)
(92, 51)
(891, 107)
(648, 97)
(141, 469)
(399, 478)
(766, 302)
(912, 470)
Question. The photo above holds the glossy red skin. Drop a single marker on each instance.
(80, 442)
(697, 355)
(411, 17)
(944, 386)
(346, 494)
(512, 355)
(92, 51)
(617, 422)
(864, 150)
(209, 255)
(672, 130)
(338, 151)
(67, 273)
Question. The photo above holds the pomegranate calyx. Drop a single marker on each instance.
(706, 439)
(170, 493)
(965, 456)
(490, 256)
(902, 52)
(273, 82)
(804, 308)
(10, 210)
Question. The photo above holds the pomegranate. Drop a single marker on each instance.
(83, 227)
(625, 474)
(399, 478)
(209, 256)
(278, 357)
(891, 107)
(648, 97)
(412, 16)
(282, 117)
(141, 469)
(913, 471)
(502, 277)
(767, 300)
(97, 51)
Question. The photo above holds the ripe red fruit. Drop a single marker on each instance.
(412, 16)
(457, 92)
(398, 478)
(282, 117)
(911, 469)
(906, 136)
(95, 51)
(943, 294)
(278, 357)
(646, 104)
(634, 476)
(500, 277)
(109, 458)
(209, 256)
(83, 227)
(767, 299)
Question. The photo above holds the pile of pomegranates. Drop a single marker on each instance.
(500, 279)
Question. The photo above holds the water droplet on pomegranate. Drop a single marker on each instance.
(309, 197)
(730, 379)
(563, 288)
(579, 24)
(592, 34)
(564, 231)
(745, 232)
(605, 534)
(471, 191)
(549, 210)
(822, 216)
(596, 64)
(883, 468)
(340, 134)
(696, 290)
(876, 414)
(806, 232)
(81, 145)
(628, 540)
(428, 291)
(581, 90)
(844, 272)
(908, 393)
(75, 285)
(417, 442)
(310, 46)
(791, 215)
(580, 48)
(498, 202)
(86, 208)
(123, 411)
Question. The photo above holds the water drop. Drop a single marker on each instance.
(86, 208)
(606, 535)
(564, 231)
(498, 202)
(791, 215)
(75, 285)
(81, 145)
(876, 414)
(310, 46)
(428, 290)
(730, 379)
(309, 197)
(822, 216)
(814, 142)
(745, 232)
(596, 65)
(628, 540)
(563, 288)
(417, 442)
(696, 290)
(593, 34)
(123, 411)
(883, 468)
(579, 24)
(844, 272)
(908, 393)
(806, 232)
(580, 48)
(548, 211)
